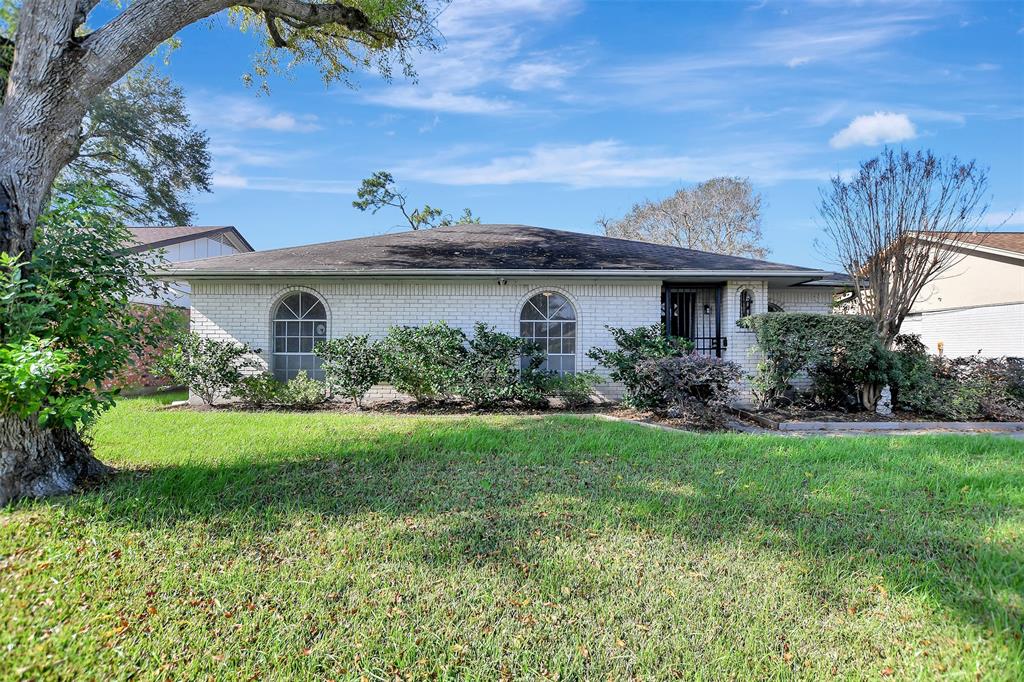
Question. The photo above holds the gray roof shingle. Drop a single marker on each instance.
(156, 237)
(488, 248)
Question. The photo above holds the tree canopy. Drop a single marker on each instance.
(379, 190)
(138, 141)
(721, 215)
(896, 225)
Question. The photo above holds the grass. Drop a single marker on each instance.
(330, 546)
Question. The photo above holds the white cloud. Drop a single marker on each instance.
(798, 61)
(878, 128)
(222, 112)
(609, 163)
(1003, 219)
(228, 181)
(547, 75)
(484, 57)
(282, 184)
(411, 98)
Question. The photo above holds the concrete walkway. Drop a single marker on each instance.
(745, 427)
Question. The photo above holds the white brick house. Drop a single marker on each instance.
(282, 301)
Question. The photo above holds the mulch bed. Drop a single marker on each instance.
(396, 407)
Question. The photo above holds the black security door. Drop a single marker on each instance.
(695, 313)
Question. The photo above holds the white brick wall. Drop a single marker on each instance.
(241, 310)
(802, 299)
(993, 330)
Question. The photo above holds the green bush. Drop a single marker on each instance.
(258, 390)
(957, 389)
(303, 393)
(29, 371)
(67, 325)
(574, 390)
(633, 346)
(841, 353)
(208, 367)
(497, 369)
(352, 365)
(424, 362)
(694, 387)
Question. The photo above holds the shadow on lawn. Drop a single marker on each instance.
(905, 511)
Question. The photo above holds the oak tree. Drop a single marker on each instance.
(60, 64)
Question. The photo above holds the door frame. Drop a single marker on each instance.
(718, 342)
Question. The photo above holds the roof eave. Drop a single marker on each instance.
(188, 273)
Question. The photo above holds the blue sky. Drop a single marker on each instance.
(556, 112)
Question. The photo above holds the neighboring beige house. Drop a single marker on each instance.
(977, 306)
(560, 289)
(176, 244)
(186, 243)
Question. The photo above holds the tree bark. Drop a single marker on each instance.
(55, 74)
(36, 461)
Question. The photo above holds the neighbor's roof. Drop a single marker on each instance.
(1006, 241)
(158, 237)
(484, 249)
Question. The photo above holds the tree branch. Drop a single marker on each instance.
(272, 30)
(144, 24)
(314, 14)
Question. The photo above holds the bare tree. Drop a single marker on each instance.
(721, 215)
(896, 226)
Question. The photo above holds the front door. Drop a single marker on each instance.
(695, 313)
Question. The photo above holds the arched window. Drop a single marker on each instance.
(775, 308)
(300, 320)
(746, 303)
(549, 320)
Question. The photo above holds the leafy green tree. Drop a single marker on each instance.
(61, 64)
(67, 326)
(379, 190)
(138, 140)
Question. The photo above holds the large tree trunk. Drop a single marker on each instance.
(56, 72)
(36, 461)
(54, 77)
(40, 118)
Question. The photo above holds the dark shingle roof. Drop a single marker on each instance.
(489, 248)
(157, 237)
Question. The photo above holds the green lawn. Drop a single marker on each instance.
(328, 546)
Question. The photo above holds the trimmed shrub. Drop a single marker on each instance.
(576, 391)
(1002, 382)
(258, 390)
(694, 387)
(633, 346)
(957, 389)
(839, 378)
(424, 362)
(210, 368)
(497, 369)
(841, 353)
(303, 393)
(352, 365)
